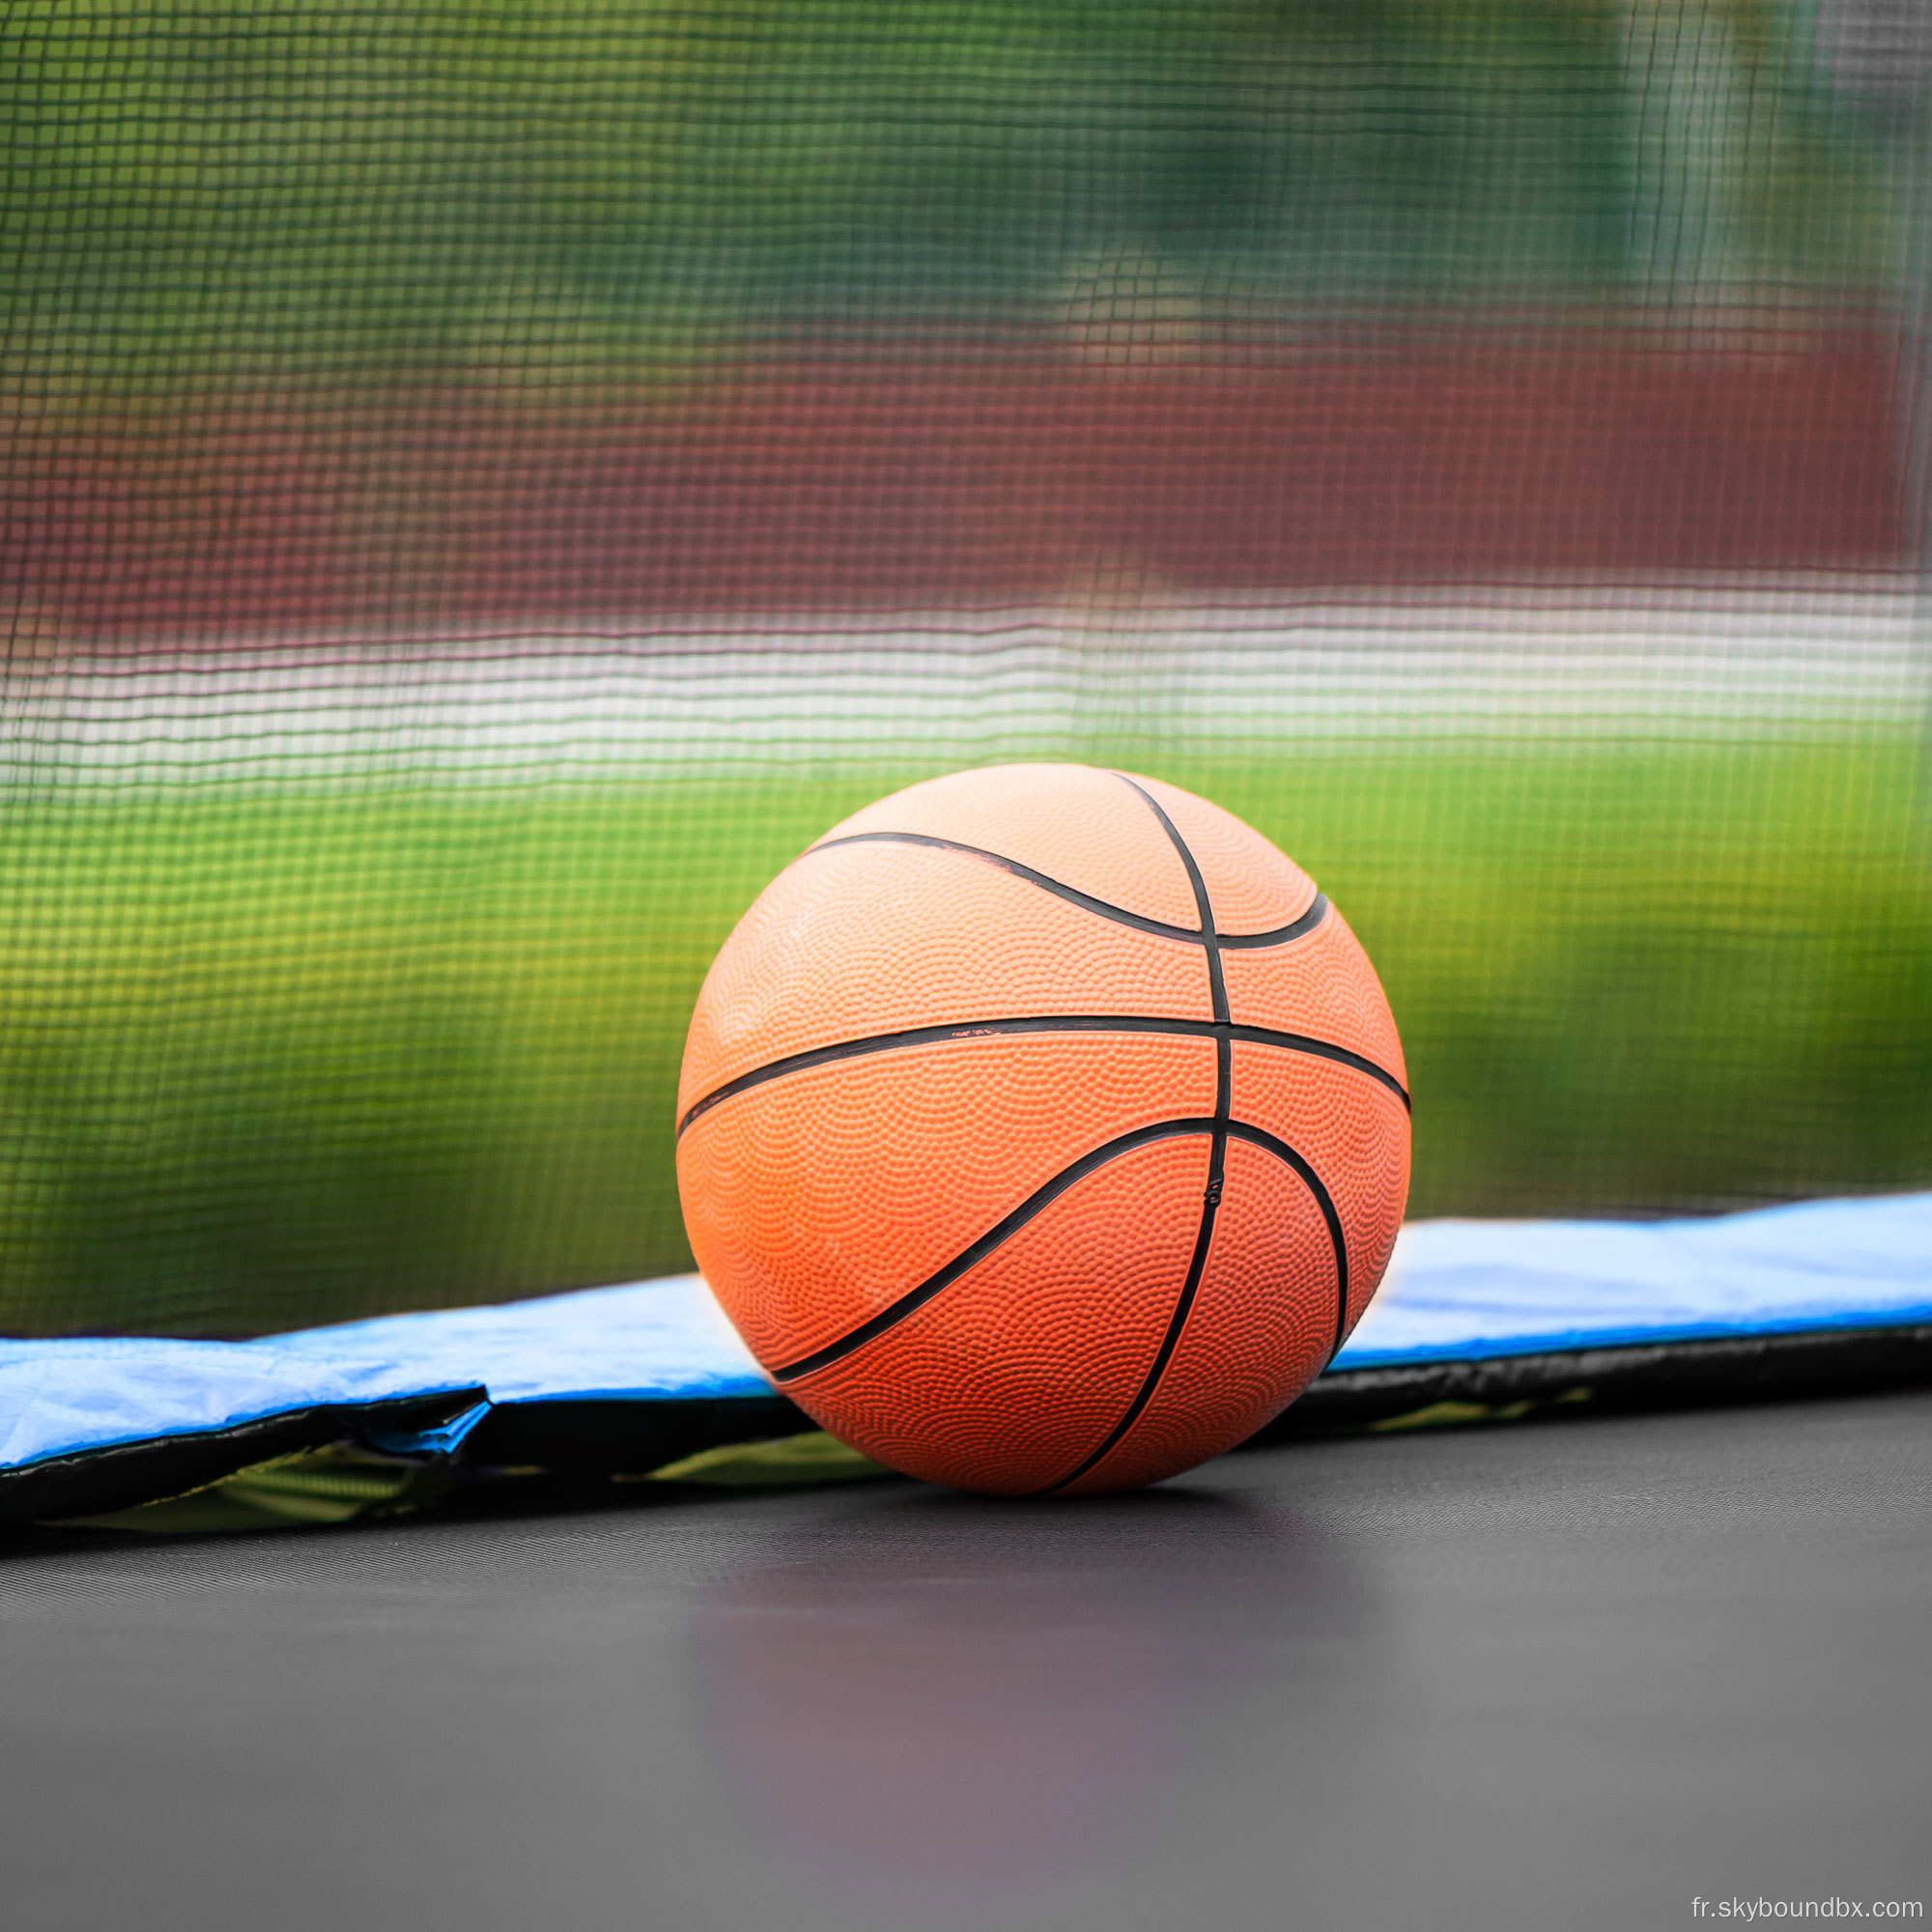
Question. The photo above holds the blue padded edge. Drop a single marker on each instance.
(1456, 1291)
(658, 1340)
(60, 1397)
(1473, 1291)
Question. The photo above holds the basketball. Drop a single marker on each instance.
(1043, 1130)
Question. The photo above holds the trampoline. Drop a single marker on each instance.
(483, 489)
(1579, 1586)
(1576, 1672)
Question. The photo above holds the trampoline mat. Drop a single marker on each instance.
(1577, 1673)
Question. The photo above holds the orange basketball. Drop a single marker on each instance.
(1042, 1130)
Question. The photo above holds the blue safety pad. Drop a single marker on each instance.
(654, 1340)
(60, 1397)
(1456, 1290)
(1470, 1290)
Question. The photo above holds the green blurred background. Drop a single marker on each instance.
(254, 186)
(333, 1056)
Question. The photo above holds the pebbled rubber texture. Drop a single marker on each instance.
(1030, 1261)
(1352, 1130)
(858, 940)
(1257, 1333)
(901, 1160)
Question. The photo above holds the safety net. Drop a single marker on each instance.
(484, 485)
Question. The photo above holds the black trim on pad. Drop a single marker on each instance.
(615, 1437)
(124, 1475)
(1816, 1363)
(595, 1439)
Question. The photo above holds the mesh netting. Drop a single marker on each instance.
(484, 485)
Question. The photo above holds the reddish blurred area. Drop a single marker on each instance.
(828, 484)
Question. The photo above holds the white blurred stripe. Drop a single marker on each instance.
(611, 708)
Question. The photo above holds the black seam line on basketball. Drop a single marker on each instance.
(1267, 1143)
(1217, 1156)
(1170, 1340)
(1067, 1023)
(995, 1236)
(1073, 895)
(1317, 911)
(1210, 939)
(1176, 1321)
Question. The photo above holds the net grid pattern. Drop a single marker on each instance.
(481, 490)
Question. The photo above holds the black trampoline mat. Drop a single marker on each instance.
(1575, 1674)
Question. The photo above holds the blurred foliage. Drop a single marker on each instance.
(260, 187)
(271, 1061)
